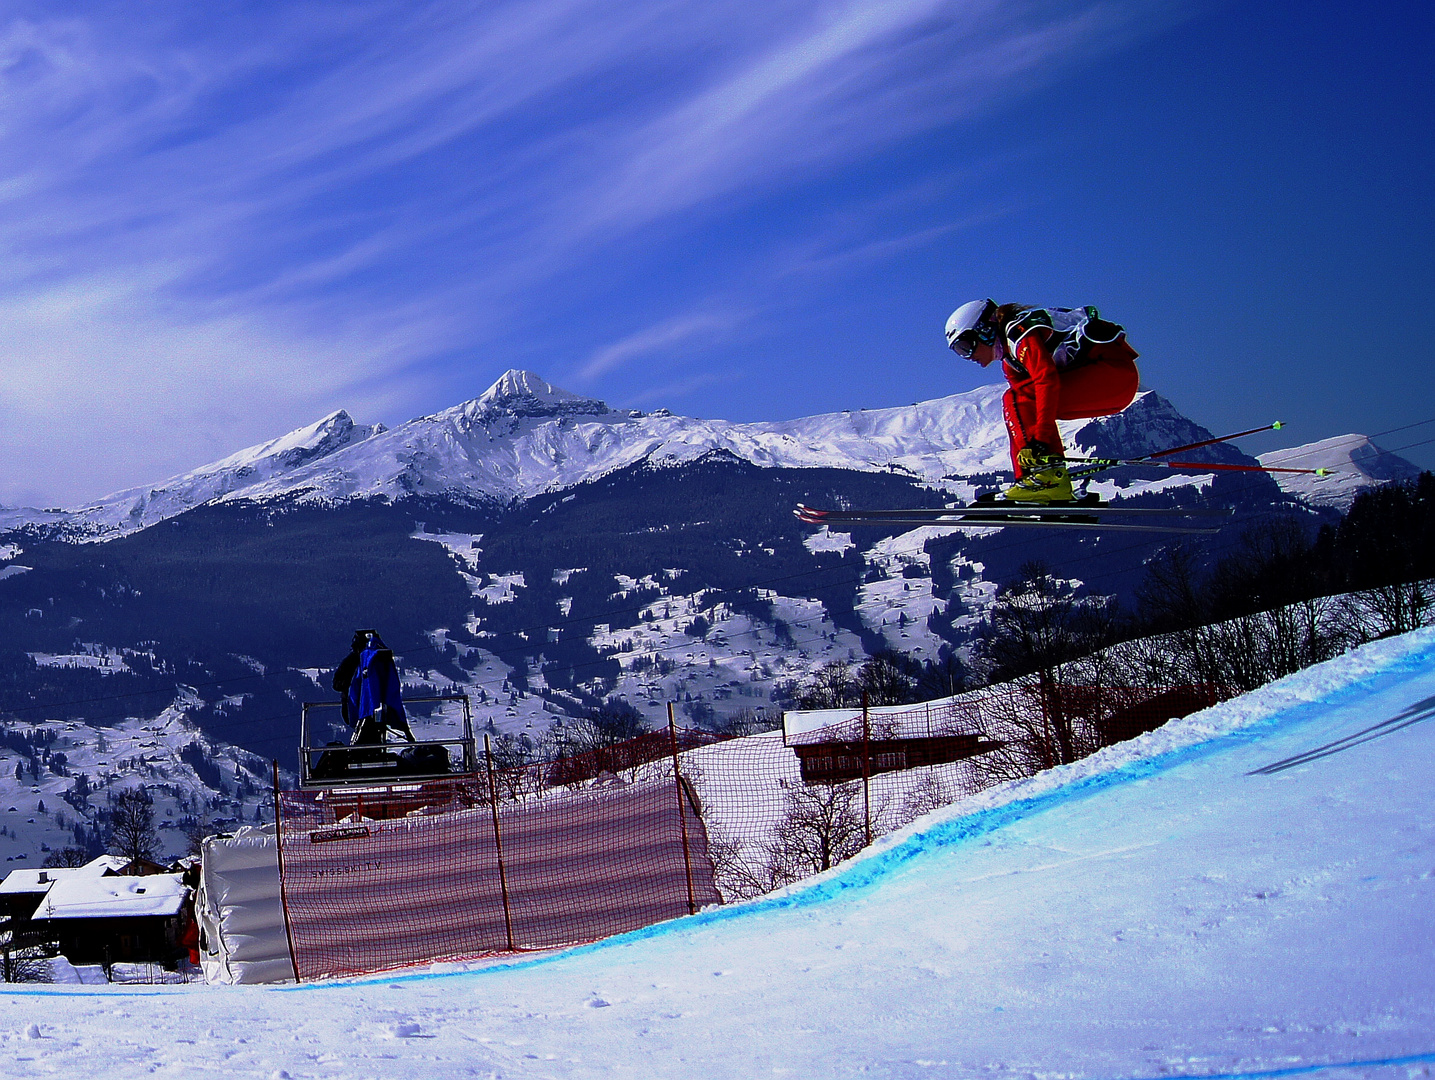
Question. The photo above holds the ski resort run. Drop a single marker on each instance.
(357, 877)
(1243, 892)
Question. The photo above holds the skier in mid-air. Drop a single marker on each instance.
(1060, 364)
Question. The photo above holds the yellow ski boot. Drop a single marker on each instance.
(1043, 480)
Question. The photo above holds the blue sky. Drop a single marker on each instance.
(223, 221)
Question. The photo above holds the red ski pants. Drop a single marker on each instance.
(1099, 388)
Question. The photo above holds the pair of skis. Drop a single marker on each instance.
(1086, 513)
(994, 514)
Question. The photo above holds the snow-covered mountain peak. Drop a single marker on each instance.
(522, 393)
(1355, 463)
(523, 437)
(134, 508)
(299, 447)
(1150, 423)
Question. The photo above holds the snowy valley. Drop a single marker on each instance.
(59, 777)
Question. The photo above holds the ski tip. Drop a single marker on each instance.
(1277, 426)
(808, 514)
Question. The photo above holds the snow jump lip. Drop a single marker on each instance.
(1299, 1070)
(1238, 722)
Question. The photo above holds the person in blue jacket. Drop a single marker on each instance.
(373, 701)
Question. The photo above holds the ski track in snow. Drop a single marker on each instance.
(1159, 909)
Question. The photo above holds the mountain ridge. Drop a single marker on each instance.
(1356, 464)
(523, 437)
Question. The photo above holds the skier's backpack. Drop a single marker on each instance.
(1079, 335)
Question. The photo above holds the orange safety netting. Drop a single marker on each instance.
(385, 877)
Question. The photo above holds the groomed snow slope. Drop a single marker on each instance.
(1164, 908)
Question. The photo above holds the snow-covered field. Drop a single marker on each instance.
(36, 817)
(1193, 903)
(733, 665)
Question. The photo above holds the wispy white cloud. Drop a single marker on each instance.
(653, 339)
(841, 80)
(92, 376)
(678, 389)
(215, 222)
(846, 244)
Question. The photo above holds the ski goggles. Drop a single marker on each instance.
(967, 341)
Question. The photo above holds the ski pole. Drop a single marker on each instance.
(1274, 426)
(1108, 462)
(1095, 465)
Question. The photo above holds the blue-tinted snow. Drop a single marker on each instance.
(1164, 908)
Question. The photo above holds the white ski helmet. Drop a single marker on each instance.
(964, 321)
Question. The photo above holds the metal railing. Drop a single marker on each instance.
(339, 764)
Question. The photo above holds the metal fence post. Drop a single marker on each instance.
(866, 772)
(283, 891)
(498, 842)
(682, 811)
